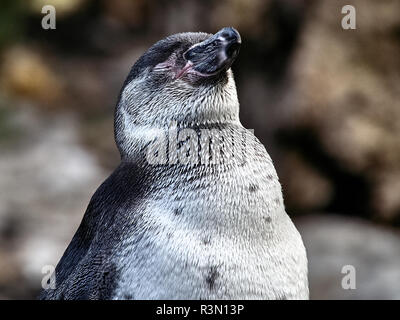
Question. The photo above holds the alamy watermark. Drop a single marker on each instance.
(49, 278)
(49, 20)
(349, 280)
(200, 146)
(349, 20)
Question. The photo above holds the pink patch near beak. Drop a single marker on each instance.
(184, 69)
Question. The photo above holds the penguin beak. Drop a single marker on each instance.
(215, 54)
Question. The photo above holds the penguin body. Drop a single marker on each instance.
(195, 209)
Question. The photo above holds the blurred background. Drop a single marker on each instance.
(324, 101)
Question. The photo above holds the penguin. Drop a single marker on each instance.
(195, 208)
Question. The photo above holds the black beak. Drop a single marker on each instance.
(215, 54)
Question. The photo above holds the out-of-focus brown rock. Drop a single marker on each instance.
(8, 268)
(130, 13)
(25, 73)
(345, 88)
(247, 16)
(386, 196)
(304, 188)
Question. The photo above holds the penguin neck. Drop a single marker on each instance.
(133, 138)
(139, 121)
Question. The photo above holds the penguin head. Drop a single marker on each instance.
(195, 58)
(184, 78)
(180, 71)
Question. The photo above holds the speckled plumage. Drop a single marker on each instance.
(184, 231)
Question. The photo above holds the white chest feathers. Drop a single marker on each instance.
(219, 236)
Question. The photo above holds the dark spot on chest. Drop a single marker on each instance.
(207, 240)
(253, 187)
(177, 197)
(267, 219)
(104, 282)
(128, 296)
(242, 164)
(177, 211)
(211, 277)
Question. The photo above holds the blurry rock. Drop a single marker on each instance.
(345, 90)
(179, 16)
(47, 179)
(63, 7)
(304, 188)
(246, 16)
(333, 242)
(25, 73)
(10, 274)
(8, 269)
(386, 197)
(130, 13)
